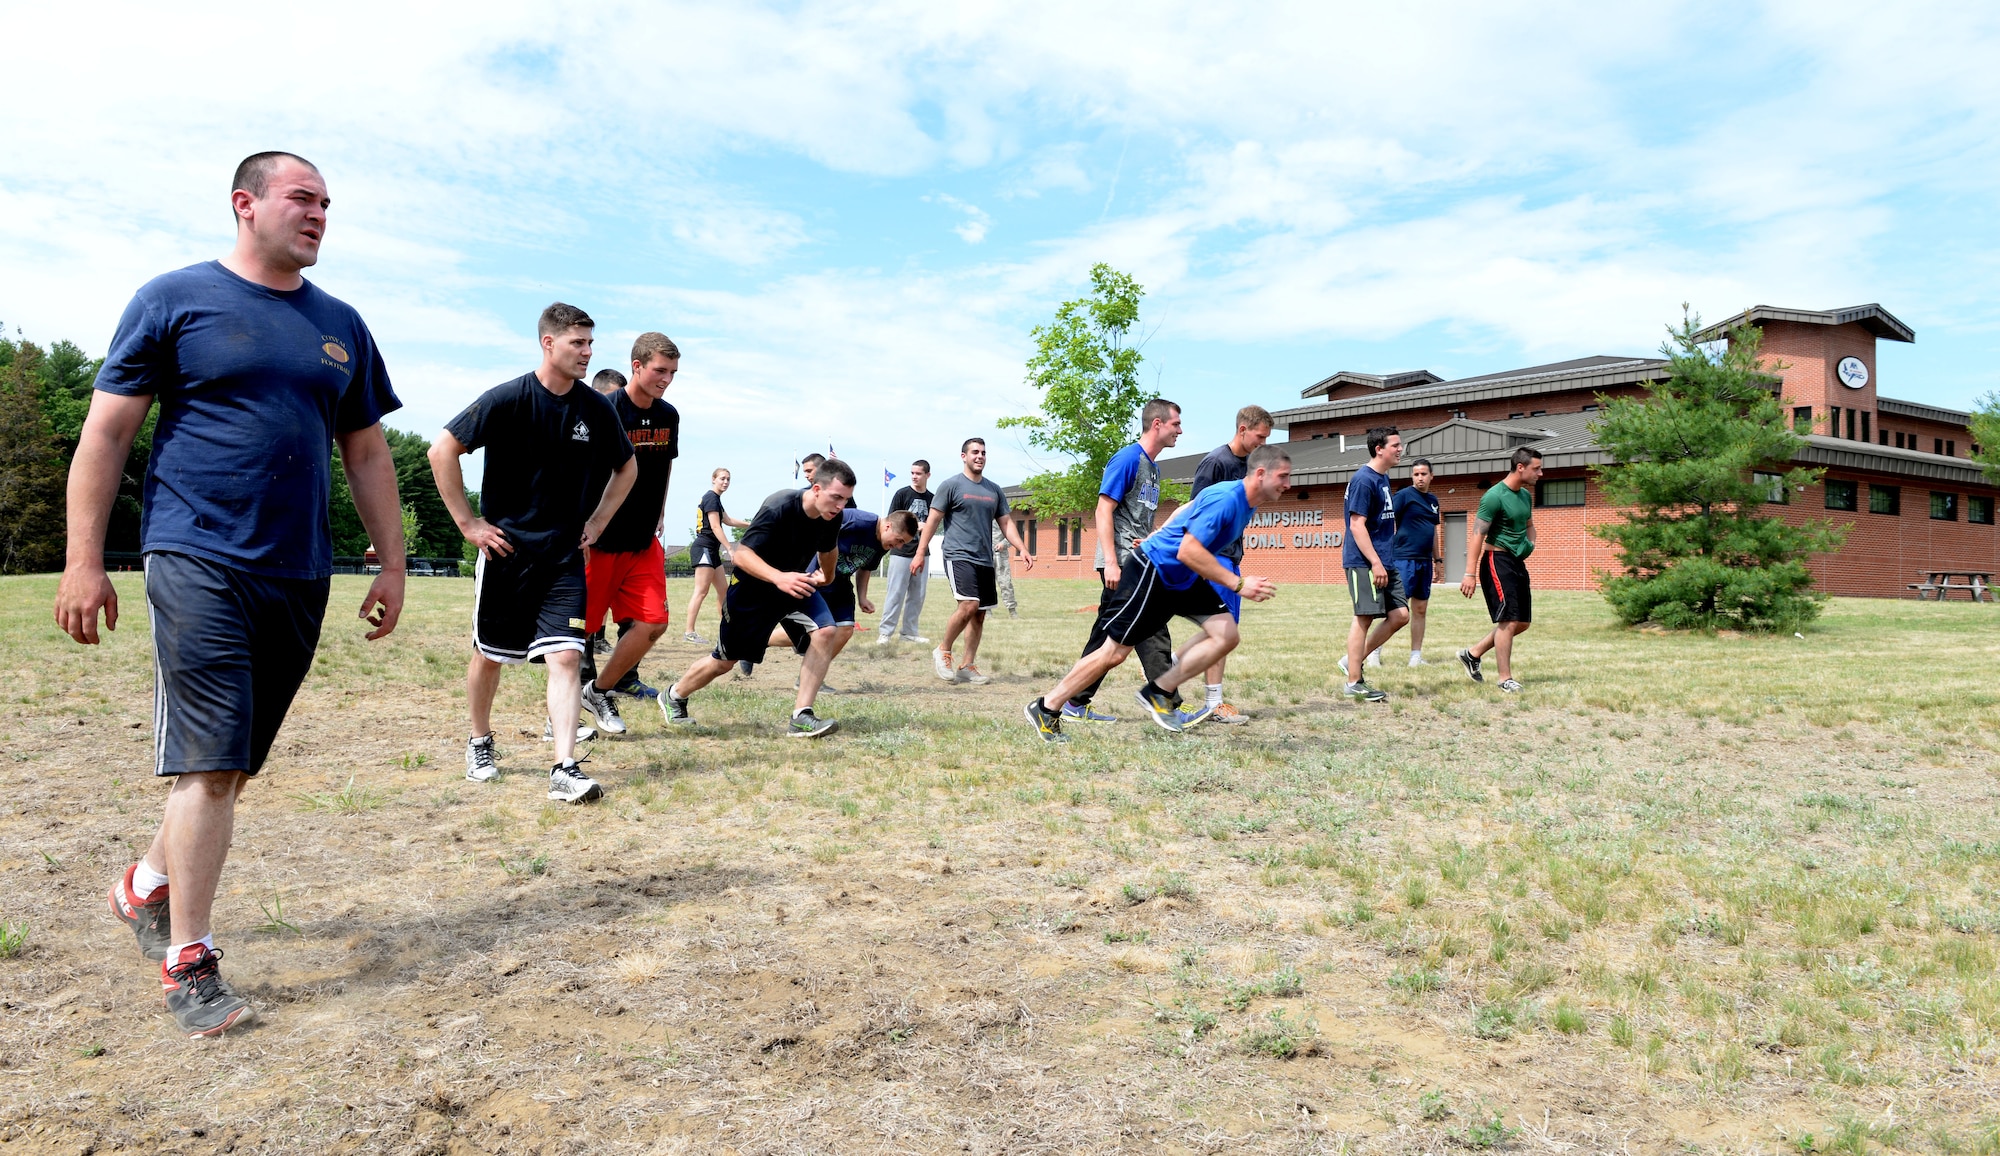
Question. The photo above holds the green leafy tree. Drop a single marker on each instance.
(1088, 375)
(33, 468)
(1985, 430)
(434, 535)
(1697, 548)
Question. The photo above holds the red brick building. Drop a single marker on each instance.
(1897, 472)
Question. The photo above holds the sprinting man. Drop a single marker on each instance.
(259, 373)
(1228, 462)
(1380, 604)
(1497, 545)
(808, 466)
(904, 603)
(963, 511)
(557, 468)
(625, 571)
(1128, 498)
(1418, 549)
(790, 531)
(865, 539)
(1174, 571)
(709, 551)
(608, 381)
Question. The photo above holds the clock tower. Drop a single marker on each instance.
(1828, 377)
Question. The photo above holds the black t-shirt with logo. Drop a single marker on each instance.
(547, 460)
(919, 506)
(711, 503)
(786, 537)
(655, 434)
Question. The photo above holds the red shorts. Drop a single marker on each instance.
(633, 586)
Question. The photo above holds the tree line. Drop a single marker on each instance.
(44, 395)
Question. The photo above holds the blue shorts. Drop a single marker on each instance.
(1417, 574)
(839, 598)
(230, 649)
(1231, 600)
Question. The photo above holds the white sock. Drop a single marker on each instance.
(1416, 654)
(674, 690)
(1214, 694)
(801, 710)
(145, 880)
(174, 952)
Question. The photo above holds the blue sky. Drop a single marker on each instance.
(851, 216)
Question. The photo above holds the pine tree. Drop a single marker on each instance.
(1696, 546)
(33, 472)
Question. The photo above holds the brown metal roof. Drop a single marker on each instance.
(1871, 317)
(1599, 372)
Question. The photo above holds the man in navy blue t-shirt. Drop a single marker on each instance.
(557, 468)
(1416, 549)
(258, 373)
(1380, 604)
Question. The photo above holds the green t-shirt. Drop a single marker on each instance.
(1507, 514)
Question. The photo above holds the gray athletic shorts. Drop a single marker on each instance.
(1370, 600)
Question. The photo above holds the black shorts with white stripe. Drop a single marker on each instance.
(1147, 603)
(972, 582)
(525, 608)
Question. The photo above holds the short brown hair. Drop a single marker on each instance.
(1158, 409)
(902, 522)
(253, 173)
(1252, 416)
(833, 470)
(650, 343)
(1267, 457)
(561, 318)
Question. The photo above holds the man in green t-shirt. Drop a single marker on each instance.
(1496, 559)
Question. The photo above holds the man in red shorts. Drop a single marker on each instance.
(626, 570)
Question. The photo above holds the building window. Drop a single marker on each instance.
(1944, 507)
(1559, 492)
(1937, 445)
(1593, 409)
(1539, 413)
(1842, 494)
(1979, 510)
(1850, 425)
(1950, 448)
(1062, 537)
(1865, 435)
(1885, 499)
(1833, 421)
(1032, 526)
(1513, 416)
(1773, 486)
(1316, 437)
(1305, 495)
(1802, 419)
(1899, 440)
(1884, 435)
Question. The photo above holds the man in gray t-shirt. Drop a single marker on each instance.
(1128, 498)
(965, 508)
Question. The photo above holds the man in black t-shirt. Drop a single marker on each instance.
(905, 601)
(791, 530)
(626, 570)
(557, 467)
(1228, 462)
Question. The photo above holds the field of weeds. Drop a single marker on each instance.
(1685, 893)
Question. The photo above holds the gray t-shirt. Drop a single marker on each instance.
(1133, 481)
(969, 511)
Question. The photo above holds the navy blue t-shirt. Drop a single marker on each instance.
(547, 460)
(1368, 496)
(1222, 465)
(253, 384)
(1416, 524)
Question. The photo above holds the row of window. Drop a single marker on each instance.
(1857, 421)
(1842, 494)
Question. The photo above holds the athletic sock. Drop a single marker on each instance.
(674, 690)
(1214, 694)
(1152, 688)
(802, 710)
(174, 953)
(145, 881)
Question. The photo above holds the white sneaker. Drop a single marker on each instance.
(480, 765)
(1375, 657)
(1417, 658)
(584, 734)
(919, 639)
(601, 708)
(941, 663)
(1342, 665)
(884, 639)
(971, 674)
(568, 784)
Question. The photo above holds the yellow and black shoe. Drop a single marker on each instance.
(1046, 722)
(1160, 707)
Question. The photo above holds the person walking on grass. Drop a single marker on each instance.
(1174, 571)
(709, 551)
(1418, 549)
(625, 571)
(774, 580)
(1128, 498)
(557, 468)
(904, 603)
(865, 539)
(1380, 604)
(962, 515)
(258, 373)
(1497, 545)
(1228, 462)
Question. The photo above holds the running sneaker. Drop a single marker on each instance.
(568, 784)
(1510, 686)
(584, 734)
(605, 711)
(884, 639)
(1228, 715)
(1417, 658)
(1471, 664)
(1341, 665)
(745, 668)
(970, 674)
(1195, 717)
(941, 663)
(631, 687)
(1083, 713)
(480, 765)
(805, 726)
(600, 645)
(1374, 657)
(150, 921)
(919, 639)
(675, 709)
(697, 639)
(202, 1003)
(1364, 692)
(1160, 708)
(1047, 723)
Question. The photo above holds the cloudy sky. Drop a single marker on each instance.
(850, 216)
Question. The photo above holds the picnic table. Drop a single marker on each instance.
(1976, 583)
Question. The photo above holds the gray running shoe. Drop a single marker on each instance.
(1161, 709)
(1471, 664)
(1510, 686)
(697, 639)
(601, 708)
(805, 726)
(1364, 692)
(970, 674)
(745, 668)
(568, 784)
(203, 1005)
(150, 921)
(480, 765)
(584, 734)
(674, 709)
(1047, 723)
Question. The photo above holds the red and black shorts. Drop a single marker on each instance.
(1504, 579)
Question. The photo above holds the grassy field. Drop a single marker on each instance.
(1684, 893)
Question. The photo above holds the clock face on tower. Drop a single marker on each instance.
(1851, 372)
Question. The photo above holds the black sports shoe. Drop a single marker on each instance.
(674, 709)
(599, 644)
(203, 1005)
(1161, 708)
(1471, 665)
(150, 922)
(1046, 722)
(805, 726)
(568, 784)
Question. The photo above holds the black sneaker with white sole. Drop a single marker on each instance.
(1364, 692)
(568, 784)
(1471, 664)
(601, 708)
(202, 1003)
(675, 709)
(480, 764)
(805, 725)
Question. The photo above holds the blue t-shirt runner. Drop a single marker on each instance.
(1216, 516)
(1368, 496)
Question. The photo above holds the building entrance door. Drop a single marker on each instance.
(1454, 548)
